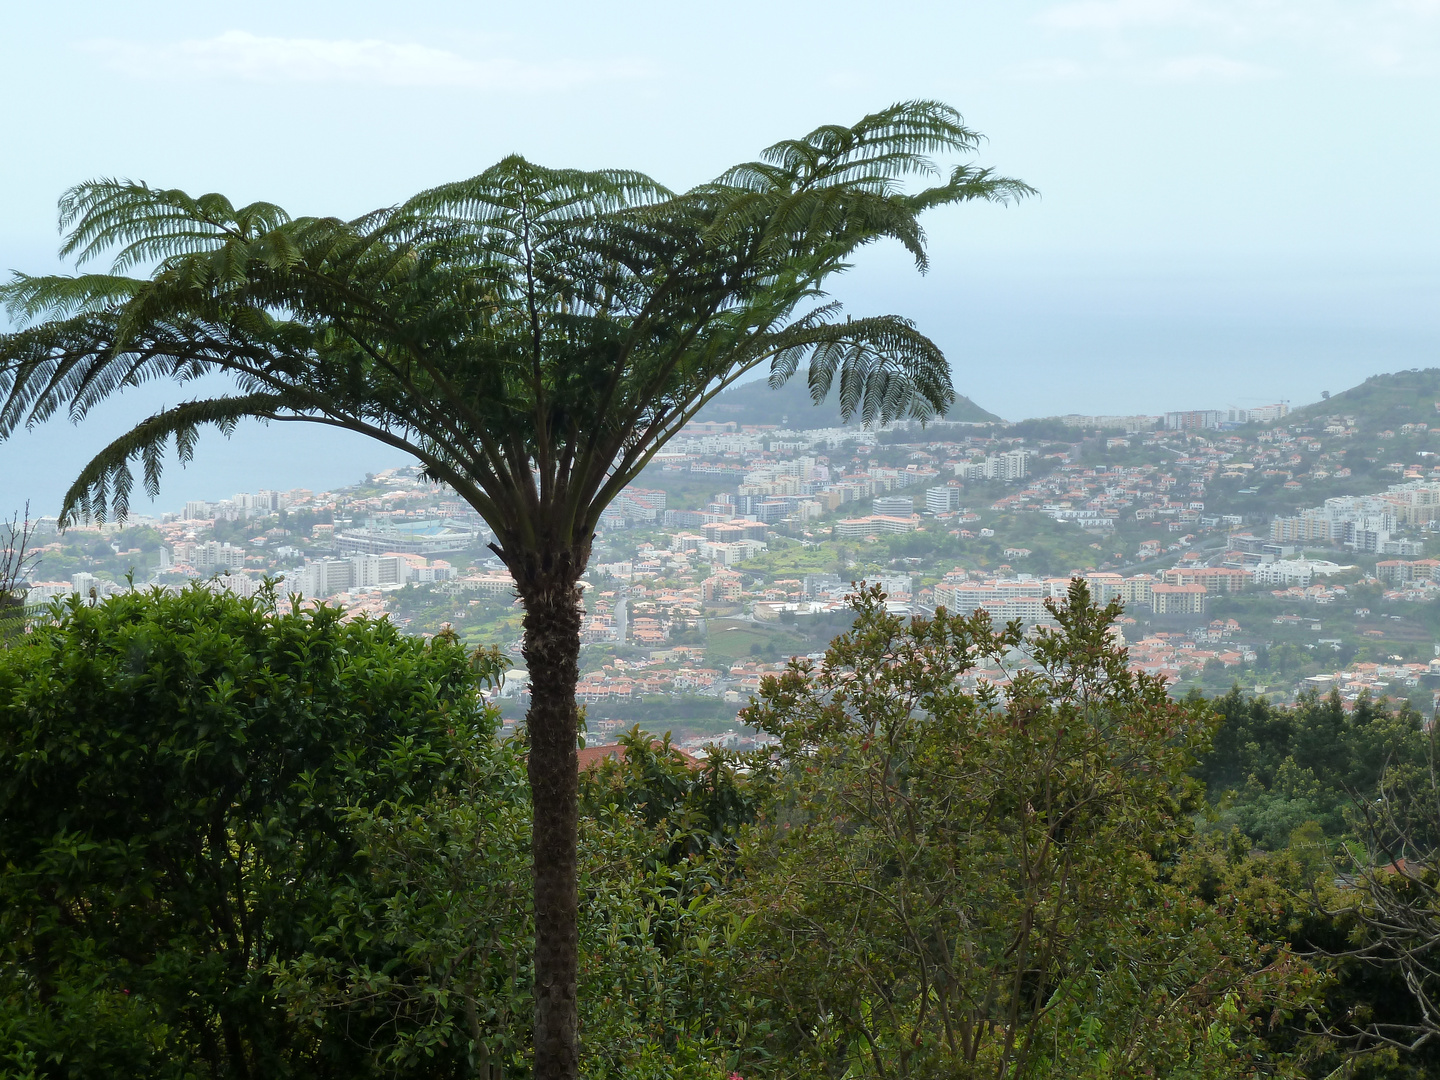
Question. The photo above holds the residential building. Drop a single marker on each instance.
(1194, 420)
(1177, 599)
(893, 505)
(875, 525)
(373, 570)
(723, 587)
(323, 577)
(217, 556)
(1008, 465)
(942, 500)
(1217, 579)
(1260, 414)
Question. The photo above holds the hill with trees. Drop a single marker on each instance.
(756, 403)
(1381, 401)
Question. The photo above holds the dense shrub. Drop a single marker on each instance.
(178, 776)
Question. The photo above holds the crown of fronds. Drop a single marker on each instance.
(531, 335)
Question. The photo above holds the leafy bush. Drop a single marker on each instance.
(178, 782)
(1272, 768)
(958, 881)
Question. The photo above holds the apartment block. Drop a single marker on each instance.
(893, 505)
(1194, 420)
(217, 556)
(1217, 579)
(874, 525)
(323, 577)
(942, 500)
(1009, 465)
(1177, 599)
(373, 570)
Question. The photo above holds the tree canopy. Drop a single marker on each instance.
(177, 779)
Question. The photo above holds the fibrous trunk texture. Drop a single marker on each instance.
(552, 653)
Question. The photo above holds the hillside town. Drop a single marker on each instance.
(1245, 548)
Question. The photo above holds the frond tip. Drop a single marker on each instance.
(105, 484)
(887, 370)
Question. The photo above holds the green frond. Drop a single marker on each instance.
(59, 296)
(887, 370)
(551, 196)
(105, 484)
(149, 225)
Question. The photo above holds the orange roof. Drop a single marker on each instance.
(591, 757)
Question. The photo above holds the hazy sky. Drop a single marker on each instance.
(1238, 196)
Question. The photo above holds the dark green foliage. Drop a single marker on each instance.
(1294, 898)
(428, 957)
(700, 805)
(958, 882)
(177, 780)
(1381, 401)
(423, 963)
(1274, 768)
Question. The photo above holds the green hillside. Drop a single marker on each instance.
(790, 406)
(1382, 401)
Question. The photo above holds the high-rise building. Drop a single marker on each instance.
(1007, 465)
(372, 570)
(1010, 464)
(324, 577)
(217, 556)
(1177, 599)
(1260, 414)
(942, 500)
(1194, 420)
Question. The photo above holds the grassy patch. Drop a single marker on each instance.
(730, 640)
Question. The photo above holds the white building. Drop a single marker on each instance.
(323, 577)
(217, 556)
(893, 505)
(372, 570)
(1261, 414)
(1287, 572)
(875, 525)
(732, 552)
(942, 500)
(1007, 465)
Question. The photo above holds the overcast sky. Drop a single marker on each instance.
(1238, 197)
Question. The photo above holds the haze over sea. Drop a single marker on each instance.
(1237, 199)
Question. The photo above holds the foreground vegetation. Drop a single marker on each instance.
(241, 844)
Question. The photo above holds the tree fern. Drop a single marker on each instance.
(532, 336)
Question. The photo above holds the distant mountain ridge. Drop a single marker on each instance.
(1381, 402)
(755, 403)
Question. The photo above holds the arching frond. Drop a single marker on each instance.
(546, 197)
(145, 225)
(26, 298)
(105, 484)
(887, 370)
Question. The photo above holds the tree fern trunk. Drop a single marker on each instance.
(552, 652)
